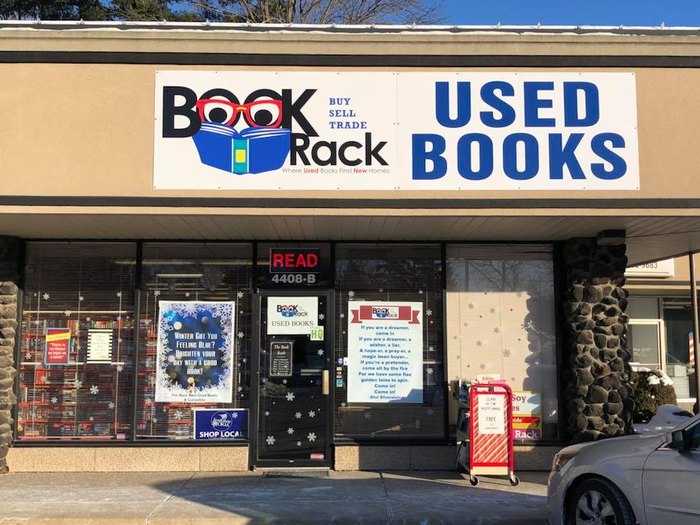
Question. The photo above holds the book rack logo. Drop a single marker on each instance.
(252, 136)
(221, 421)
(291, 310)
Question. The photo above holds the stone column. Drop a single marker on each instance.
(597, 375)
(9, 278)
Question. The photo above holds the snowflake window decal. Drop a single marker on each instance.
(241, 335)
(290, 396)
(239, 295)
(298, 443)
(321, 317)
(111, 405)
(46, 297)
(367, 415)
(320, 352)
(312, 413)
(67, 313)
(311, 436)
(54, 400)
(290, 431)
(429, 371)
(270, 440)
(428, 312)
(94, 390)
(78, 384)
(297, 415)
(120, 368)
(351, 294)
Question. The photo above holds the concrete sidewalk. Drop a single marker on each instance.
(213, 498)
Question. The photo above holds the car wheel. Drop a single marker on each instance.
(599, 502)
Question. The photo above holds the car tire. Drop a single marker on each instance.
(598, 498)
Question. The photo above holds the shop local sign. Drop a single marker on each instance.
(257, 130)
(218, 424)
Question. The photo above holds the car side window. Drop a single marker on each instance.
(695, 437)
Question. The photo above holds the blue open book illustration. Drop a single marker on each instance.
(252, 150)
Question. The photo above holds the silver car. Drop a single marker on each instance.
(646, 479)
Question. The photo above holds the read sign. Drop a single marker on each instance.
(303, 260)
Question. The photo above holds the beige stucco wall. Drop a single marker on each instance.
(128, 459)
(87, 129)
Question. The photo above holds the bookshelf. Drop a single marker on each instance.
(86, 397)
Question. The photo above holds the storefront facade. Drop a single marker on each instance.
(427, 207)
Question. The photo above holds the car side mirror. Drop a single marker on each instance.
(679, 441)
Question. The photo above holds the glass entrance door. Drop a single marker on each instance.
(294, 394)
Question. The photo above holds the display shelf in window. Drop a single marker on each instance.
(79, 387)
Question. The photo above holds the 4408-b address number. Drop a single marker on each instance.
(294, 278)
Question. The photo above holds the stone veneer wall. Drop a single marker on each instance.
(9, 278)
(597, 374)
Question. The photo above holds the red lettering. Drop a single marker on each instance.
(312, 260)
(277, 259)
(288, 260)
(301, 261)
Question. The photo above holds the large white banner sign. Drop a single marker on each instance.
(264, 130)
(385, 352)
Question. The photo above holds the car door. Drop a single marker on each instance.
(671, 484)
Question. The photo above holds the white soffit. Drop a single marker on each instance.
(648, 238)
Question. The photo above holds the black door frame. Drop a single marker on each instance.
(329, 337)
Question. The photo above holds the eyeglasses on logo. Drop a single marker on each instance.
(252, 136)
(262, 146)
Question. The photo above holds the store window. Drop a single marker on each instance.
(501, 325)
(77, 342)
(389, 302)
(187, 275)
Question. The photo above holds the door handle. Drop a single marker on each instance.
(325, 381)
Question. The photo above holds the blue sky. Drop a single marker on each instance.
(573, 12)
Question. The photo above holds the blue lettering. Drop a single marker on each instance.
(442, 104)
(600, 148)
(533, 104)
(464, 156)
(561, 155)
(421, 156)
(488, 95)
(591, 106)
(510, 156)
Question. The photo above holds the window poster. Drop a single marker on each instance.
(195, 352)
(99, 345)
(385, 351)
(292, 315)
(527, 415)
(58, 344)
